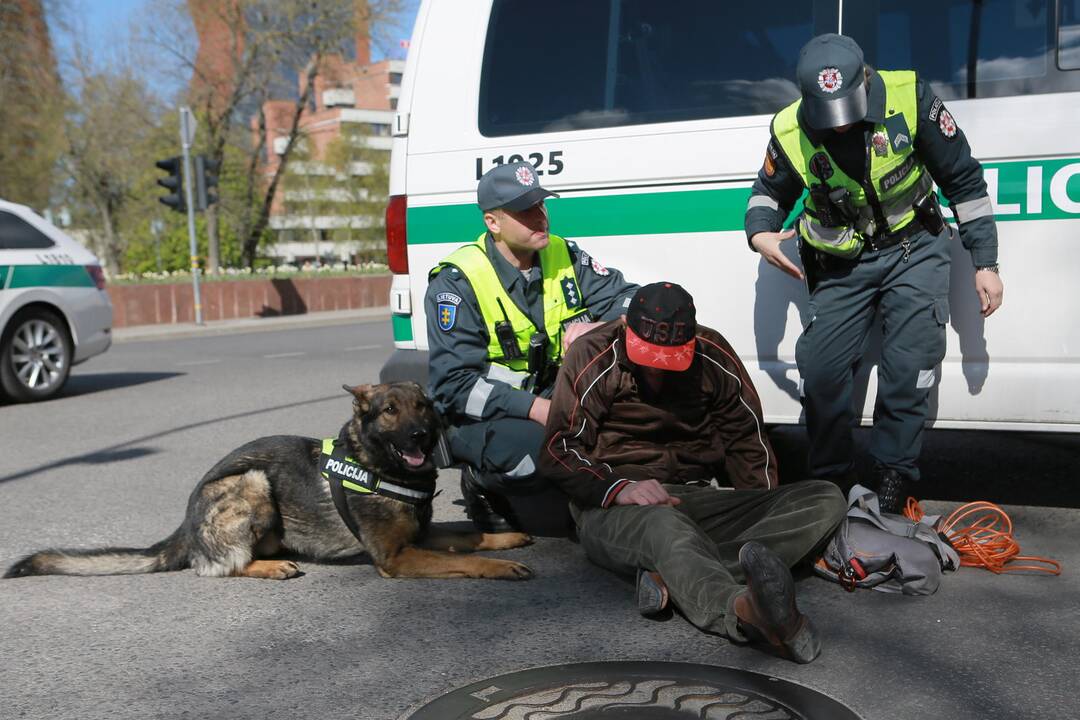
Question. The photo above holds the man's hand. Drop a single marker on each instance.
(645, 492)
(988, 286)
(768, 246)
(539, 410)
(574, 331)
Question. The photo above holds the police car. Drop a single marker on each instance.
(651, 119)
(54, 311)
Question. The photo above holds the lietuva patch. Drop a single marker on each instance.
(447, 310)
(896, 176)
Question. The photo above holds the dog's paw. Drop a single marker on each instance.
(272, 569)
(504, 541)
(510, 570)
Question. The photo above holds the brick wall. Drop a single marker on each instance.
(227, 299)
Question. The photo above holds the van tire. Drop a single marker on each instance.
(46, 336)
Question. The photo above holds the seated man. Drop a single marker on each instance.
(645, 412)
(500, 310)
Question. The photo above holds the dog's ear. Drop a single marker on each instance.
(361, 397)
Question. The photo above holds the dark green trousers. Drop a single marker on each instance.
(695, 545)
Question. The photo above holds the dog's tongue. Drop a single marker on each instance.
(413, 459)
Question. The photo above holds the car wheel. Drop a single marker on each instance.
(35, 356)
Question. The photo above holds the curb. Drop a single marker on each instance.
(172, 331)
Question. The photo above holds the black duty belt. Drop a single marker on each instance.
(883, 241)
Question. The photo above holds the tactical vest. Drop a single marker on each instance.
(563, 301)
(896, 178)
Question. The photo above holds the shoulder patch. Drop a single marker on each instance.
(585, 259)
(448, 297)
(447, 310)
(935, 109)
(947, 125)
(769, 166)
(598, 268)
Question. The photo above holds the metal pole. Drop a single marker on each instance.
(187, 134)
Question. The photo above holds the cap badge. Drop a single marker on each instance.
(525, 176)
(830, 80)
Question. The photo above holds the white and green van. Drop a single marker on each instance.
(54, 311)
(651, 120)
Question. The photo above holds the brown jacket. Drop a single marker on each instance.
(604, 431)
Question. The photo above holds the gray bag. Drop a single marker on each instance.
(885, 552)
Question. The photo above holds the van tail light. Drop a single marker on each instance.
(397, 251)
(97, 275)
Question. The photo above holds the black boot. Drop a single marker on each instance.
(767, 613)
(489, 512)
(892, 491)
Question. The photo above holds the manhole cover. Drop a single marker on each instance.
(639, 690)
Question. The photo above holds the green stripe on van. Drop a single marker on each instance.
(636, 214)
(1027, 190)
(23, 276)
(4, 276)
(402, 325)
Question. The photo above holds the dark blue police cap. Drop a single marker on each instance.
(830, 74)
(512, 187)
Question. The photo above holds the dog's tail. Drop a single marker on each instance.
(169, 554)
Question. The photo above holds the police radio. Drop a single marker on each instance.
(504, 333)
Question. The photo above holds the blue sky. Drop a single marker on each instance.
(106, 22)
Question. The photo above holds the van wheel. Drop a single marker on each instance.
(35, 356)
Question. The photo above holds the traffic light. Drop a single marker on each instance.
(206, 180)
(174, 183)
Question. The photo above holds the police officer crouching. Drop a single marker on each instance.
(499, 312)
(868, 146)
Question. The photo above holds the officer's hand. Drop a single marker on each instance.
(988, 285)
(645, 492)
(574, 331)
(768, 246)
(539, 410)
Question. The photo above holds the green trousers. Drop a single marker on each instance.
(695, 545)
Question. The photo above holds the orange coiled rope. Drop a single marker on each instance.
(986, 540)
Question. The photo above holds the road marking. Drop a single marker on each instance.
(284, 355)
(363, 347)
(198, 362)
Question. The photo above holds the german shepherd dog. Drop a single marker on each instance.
(269, 495)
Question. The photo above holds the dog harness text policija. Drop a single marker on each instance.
(343, 473)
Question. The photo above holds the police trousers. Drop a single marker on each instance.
(695, 545)
(910, 289)
(505, 453)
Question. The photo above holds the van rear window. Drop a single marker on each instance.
(17, 234)
(568, 64)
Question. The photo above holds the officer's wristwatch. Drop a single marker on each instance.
(995, 268)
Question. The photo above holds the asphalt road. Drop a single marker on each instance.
(112, 462)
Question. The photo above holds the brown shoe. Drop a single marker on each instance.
(652, 593)
(766, 610)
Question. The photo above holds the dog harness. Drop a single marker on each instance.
(343, 473)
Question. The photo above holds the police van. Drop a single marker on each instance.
(651, 119)
(54, 311)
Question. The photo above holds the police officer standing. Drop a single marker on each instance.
(868, 145)
(500, 312)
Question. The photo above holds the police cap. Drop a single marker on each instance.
(831, 80)
(513, 187)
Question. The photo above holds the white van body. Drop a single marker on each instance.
(665, 199)
(41, 267)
